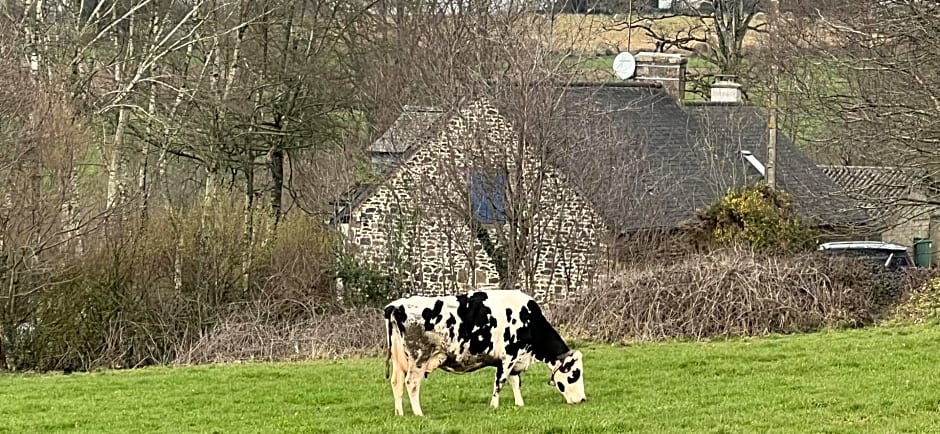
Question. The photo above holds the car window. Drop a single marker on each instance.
(898, 259)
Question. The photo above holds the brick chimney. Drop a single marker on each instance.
(667, 69)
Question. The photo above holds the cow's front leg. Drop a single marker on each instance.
(515, 380)
(502, 374)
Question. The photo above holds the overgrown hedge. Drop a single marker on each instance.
(734, 293)
(118, 305)
(726, 293)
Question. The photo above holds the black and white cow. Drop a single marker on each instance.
(504, 329)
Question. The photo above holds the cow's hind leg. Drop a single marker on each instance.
(502, 374)
(413, 380)
(398, 388)
(515, 380)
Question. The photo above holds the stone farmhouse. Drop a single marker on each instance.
(899, 200)
(459, 199)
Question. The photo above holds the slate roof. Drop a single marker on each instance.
(873, 182)
(629, 153)
(743, 128)
(877, 188)
(408, 130)
(646, 162)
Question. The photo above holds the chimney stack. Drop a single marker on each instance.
(667, 69)
(726, 91)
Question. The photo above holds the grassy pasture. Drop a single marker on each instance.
(593, 33)
(874, 380)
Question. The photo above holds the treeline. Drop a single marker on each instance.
(167, 167)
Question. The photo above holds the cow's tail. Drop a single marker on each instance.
(388, 333)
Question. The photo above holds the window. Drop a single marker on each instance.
(488, 196)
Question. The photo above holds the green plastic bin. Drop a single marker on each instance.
(923, 256)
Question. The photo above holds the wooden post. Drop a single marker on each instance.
(771, 164)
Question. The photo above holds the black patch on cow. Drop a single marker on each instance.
(499, 376)
(561, 386)
(451, 323)
(476, 323)
(522, 340)
(508, 315)
(471, 364)
(432, 316)
(545, 342)
(567, 366)
(399, 315)
(575, 375)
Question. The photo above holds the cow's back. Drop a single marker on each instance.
(467, 324)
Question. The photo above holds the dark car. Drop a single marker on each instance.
(892, 256)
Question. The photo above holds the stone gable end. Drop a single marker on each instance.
(416, 224)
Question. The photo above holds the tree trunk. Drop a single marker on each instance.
(178, 263)
(116, 187)
(142, 188)
(276, 167)
(116, 163)
(248, 229)
(70, 216)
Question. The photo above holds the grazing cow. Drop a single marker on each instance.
(504, 329)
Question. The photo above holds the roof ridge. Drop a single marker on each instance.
(835, 166)
(421, 109)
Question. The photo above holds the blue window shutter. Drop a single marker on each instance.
(499, 198)
(488, 197)
(478, 197)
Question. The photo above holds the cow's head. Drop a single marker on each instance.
(568, 376)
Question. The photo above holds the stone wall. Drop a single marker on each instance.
(909, 222)
(416, 224)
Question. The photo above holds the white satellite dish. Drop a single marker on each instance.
(625, 65)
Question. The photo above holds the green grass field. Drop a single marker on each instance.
(875, 380)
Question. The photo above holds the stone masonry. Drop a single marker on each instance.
(417, 223)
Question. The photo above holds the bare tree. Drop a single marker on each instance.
(716, 31)
(39, 162)
(863, 80)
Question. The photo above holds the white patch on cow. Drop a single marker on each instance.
(568, 377)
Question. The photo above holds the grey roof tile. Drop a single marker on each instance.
(876, 188)
(736, 128)
(408, 130)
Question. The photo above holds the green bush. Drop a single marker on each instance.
(364, 285)
(756, 216)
